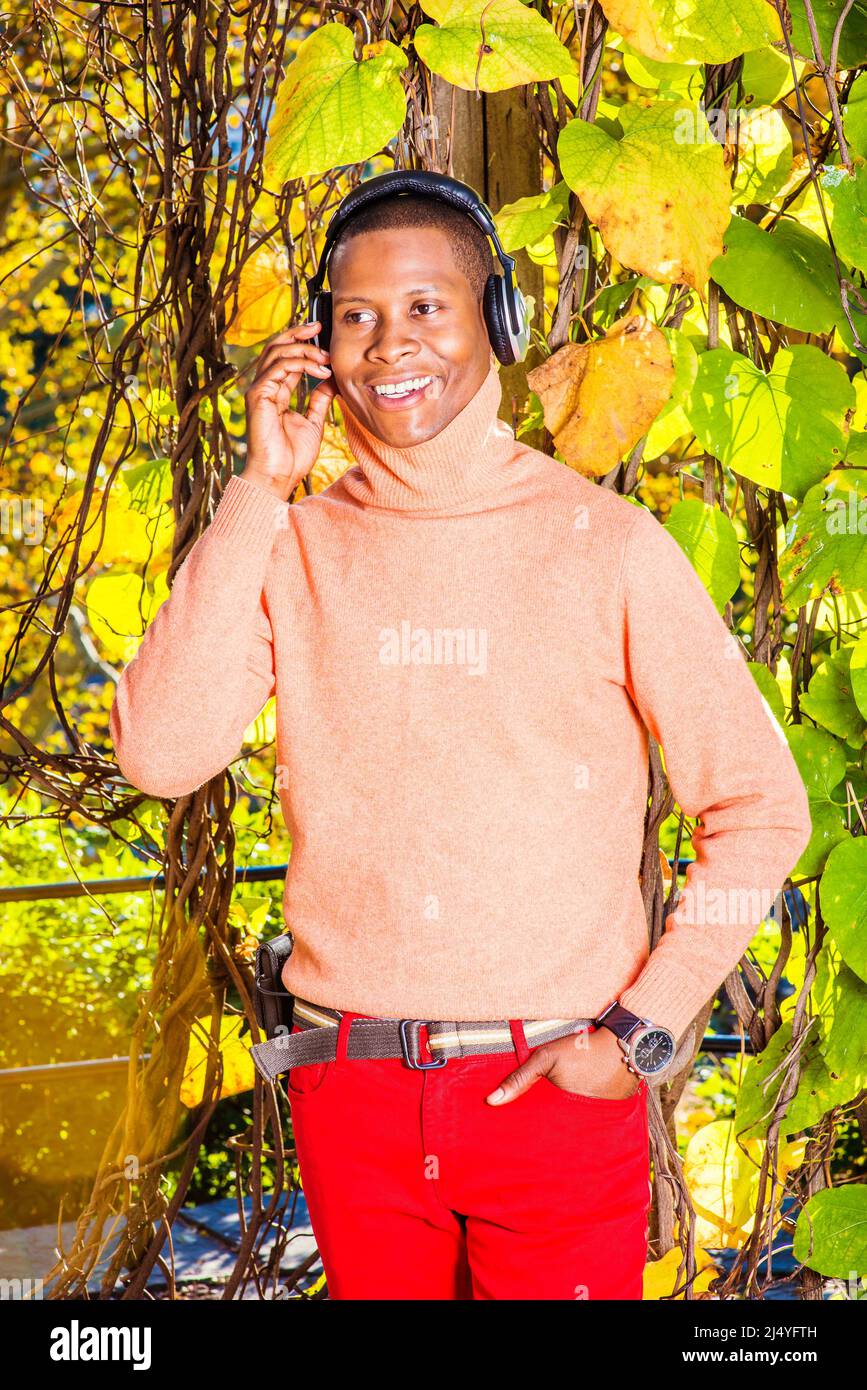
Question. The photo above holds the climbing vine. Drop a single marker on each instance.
(697, 207)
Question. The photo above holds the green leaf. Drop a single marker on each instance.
(519, 46)
(847, 194)
(671, 422)
(826, 543)
(844, 901)
(844, 1045)
(332, 110)
(159, 404)
(858, 673)
(853, 36)
(786, 275)
(831, 1231)
(781, 429)
(819, 1090)
(709, 540)
(766, 76)
(769, 688)
(149, 484)
(855, 117)
(659, 196)
(668, 79)
(526, 221)
(764, 155)
(830, 700)
(609, 303)
(704, 31)
(821, 762)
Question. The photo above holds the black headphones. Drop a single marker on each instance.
(504, 307)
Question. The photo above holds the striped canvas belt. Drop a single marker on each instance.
(397, 1037)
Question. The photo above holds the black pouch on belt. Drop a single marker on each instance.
(273, 1002)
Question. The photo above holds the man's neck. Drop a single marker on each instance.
(466, 461)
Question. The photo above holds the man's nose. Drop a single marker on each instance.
(393, 341)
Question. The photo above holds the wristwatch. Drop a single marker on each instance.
(648, 1048)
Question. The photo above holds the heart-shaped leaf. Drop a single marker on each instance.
(660, 196)
(826, 14)
(332, 110)
(826, 543)
(526, 221)
(518, 46)
(704, 31)
(264, 297)
(822, 765)
(830, 700)
(710, 541)
(831, 1232)
(819, 1089)
(844, 901)
(781, 429)
(767, 76)
(786, 275)
(666, 79)
(764, 155)
(599, 398)
(844, 1014)
(848, 196)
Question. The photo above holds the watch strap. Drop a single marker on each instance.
(620, 1021)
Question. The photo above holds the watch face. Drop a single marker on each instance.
(654, 1050)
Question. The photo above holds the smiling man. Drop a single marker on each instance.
(470, 645)
(439, 262)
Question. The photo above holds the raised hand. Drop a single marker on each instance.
(283, 444)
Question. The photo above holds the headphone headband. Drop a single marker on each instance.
(505, 309)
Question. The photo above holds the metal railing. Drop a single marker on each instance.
(717, 1044)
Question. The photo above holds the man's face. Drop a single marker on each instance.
(401, 309)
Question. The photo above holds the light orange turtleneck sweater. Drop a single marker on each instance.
(468, 643)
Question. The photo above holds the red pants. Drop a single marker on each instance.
(418, 1189)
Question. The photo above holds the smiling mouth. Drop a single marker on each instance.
(399, 399)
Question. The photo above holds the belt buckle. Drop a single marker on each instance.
(407, 1047)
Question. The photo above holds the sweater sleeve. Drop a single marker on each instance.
(728, 763)
(205, 666)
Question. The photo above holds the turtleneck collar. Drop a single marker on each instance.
(466, 462)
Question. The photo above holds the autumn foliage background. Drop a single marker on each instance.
(687, 203)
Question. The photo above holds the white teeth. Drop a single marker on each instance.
(404, 388)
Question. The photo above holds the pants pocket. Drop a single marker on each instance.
(604, 1105)
(308, 1079)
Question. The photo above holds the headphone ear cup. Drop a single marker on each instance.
(323, 314)
(495, 312)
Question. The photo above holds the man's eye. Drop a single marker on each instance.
(354, 315)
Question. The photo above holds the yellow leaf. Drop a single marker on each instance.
(263, 729)
(709, 31)
(519, 45)
(722, 1181)
(660, 1276)
(125, 536)
(115, 604)
(238, 1069)
(334, 459)
(264, 297)
(660, 196)
(599, 398)
(330, 109)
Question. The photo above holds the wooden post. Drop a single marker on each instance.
(495, 149)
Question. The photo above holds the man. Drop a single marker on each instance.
(469, 643)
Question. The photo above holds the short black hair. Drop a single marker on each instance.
(470, 246)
